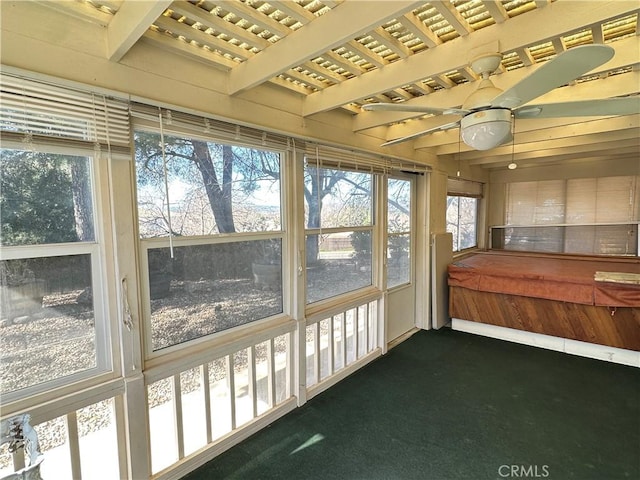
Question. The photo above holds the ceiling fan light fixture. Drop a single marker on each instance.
(486, 129)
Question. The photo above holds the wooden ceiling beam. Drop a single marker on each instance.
(293, 10)
(129, 24)
(346, 21)
(383, 37)
(304, 16)
(251, 15)
(169, 43)
(536, 151)
(197, 35)
(80, 11)
(323, 72)
(496, 10)
(216, 23)
(616, 85)
(447, 142)
(564, 158)
(419, 30)
(453, 17)
(587, 132)
(343, 63)
(303, 78)
(365, 53)
(525, 56)
(553, 20)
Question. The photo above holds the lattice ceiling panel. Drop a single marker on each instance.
(230, 32)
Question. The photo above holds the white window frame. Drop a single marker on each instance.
(458, 196)
(145, 244)
(374, 229)
(104, 324)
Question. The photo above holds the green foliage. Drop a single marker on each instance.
(361, 243)
(398, 245)
(36, 202)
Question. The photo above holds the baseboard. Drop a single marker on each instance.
(573, 347)
(402, 338)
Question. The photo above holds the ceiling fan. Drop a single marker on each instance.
(486, 116)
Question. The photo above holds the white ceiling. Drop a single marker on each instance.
(343, 54)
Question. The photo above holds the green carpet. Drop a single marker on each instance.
(449, 405)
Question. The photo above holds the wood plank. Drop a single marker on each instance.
(615, 327)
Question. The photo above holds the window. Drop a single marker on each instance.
(50, 273)
(462, 212)
(339, 231)
(398, 232)
(54, 325)
(587, 215)
(462, 220)
(212, 188)
(210, 219)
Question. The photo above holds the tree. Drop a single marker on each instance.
(318, 184)
(219, 194)
(226, 172)
(43, 200)
(82, 203)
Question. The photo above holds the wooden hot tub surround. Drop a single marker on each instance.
(550, 294)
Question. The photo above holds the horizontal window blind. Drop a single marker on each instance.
(535, 203)
(585, 215)
(458, 187)
(43, 110)
(602, 200)
(343, 158)
(195, 126)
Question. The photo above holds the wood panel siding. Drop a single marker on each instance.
(615, 327)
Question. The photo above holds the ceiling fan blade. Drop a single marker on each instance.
(446, 126)
(403, 107)
(563, 69)
(585, 108)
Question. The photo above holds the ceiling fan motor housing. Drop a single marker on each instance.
(486, 129)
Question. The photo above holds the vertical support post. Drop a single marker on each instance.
(420, 239)
(177, 414)
(136, 427)
(74, 445)
(294, 198)
(271, 375)
(330, 353)
(251, 381)
(231, 381)
(206, 392)
(132, 414)
(343, 327)
(317, 370)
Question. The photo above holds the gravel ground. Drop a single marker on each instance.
(60, 340)
(194, 309)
